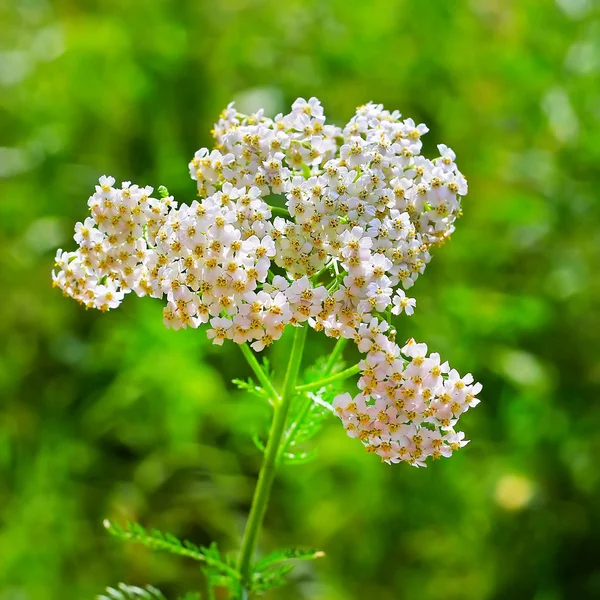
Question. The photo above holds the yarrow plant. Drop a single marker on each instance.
(299, 224)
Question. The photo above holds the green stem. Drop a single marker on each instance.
(334, 283)
(321, 271)
(284, 212)
(308, 402)
(315, 385)
(267, 472)
(260, 374)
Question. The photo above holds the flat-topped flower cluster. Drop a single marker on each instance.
(296, 221)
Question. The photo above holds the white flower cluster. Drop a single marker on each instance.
(296, 221)
(407, 409)
(113, 256)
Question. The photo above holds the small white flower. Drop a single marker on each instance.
(403, 304)
(220, 330)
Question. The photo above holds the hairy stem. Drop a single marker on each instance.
(267, 472)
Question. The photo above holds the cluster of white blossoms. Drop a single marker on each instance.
(113, 257)
(296, 221)
(409, 402)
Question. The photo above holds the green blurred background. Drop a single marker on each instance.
(112, 415)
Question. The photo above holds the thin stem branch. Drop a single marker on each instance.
(269, 466)
(260, 374)
(308, 401)
(315, 385)
(284, 212)
(321, 271)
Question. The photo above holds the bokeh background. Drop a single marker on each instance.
(112, 415)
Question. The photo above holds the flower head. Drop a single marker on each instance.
(296, 221)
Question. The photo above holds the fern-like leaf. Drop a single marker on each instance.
(217, 578)
(157, 540)
(309, 423)
(266, 367)
(248, 385)
(258, 442)
(298, 458)
(131, 592)
(271, 570)
(309, 411)
(251, 387)
(279, 556)
(263, 582)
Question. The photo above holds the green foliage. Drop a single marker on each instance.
(251, 387)
(266, 367)
(257, 441)
(309, 412)
(284, 555)
(271, 571)
(217, 576)
(268, 580)
(157, 540)
(267, 573)
(131, 592)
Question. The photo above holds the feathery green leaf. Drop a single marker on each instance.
(251, 387)
(262, 582)
(131, 592)
(283, 555)
(157, 540)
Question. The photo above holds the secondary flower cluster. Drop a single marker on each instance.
(113, 256)
(296, 221)
(407, 409)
